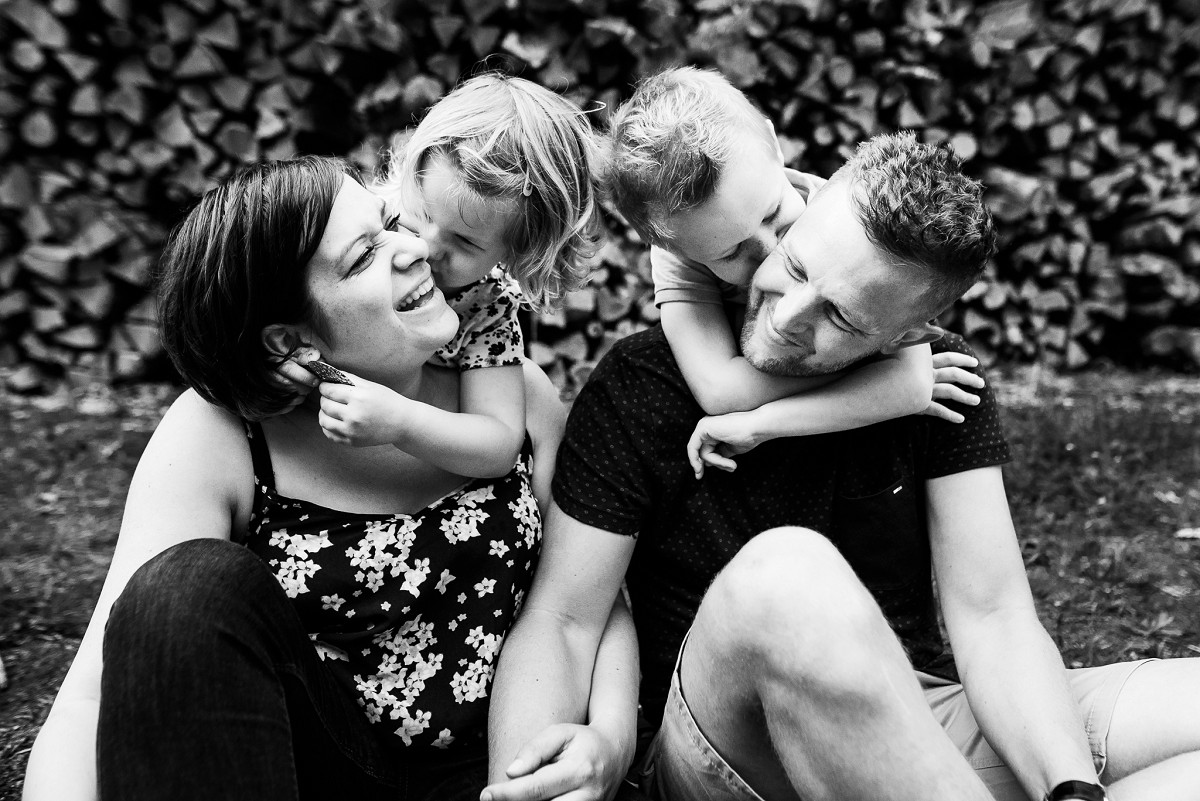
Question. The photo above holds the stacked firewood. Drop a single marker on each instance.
(1082, 116)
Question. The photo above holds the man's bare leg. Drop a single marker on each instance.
(795, 677)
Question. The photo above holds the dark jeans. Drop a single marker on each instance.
(212, 690)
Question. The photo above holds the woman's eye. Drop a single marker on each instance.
(363, 260)
(393, 223)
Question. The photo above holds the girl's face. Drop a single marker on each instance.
(373, 287)
(466, 233)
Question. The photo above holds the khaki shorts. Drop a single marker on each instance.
(682, 765)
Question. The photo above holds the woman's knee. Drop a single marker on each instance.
(187, 589)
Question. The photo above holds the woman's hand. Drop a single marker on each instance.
(949, 370)
(363, 413)
(565, 762)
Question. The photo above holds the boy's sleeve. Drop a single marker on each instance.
(688, 281)
(489, 333)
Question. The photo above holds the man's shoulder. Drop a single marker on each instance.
(952, 343)
(638, 369)
(644, 348)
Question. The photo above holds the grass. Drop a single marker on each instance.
(1104, 486)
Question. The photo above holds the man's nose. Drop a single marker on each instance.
(795, 312)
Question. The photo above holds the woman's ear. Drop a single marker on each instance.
(283, 340)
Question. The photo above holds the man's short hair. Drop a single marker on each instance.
(916, 205)
(671, 140)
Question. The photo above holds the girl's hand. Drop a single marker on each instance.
(362, 414)
(949, 370)
(716, 439)
(566, 761)
(289, 376)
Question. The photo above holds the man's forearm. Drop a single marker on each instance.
(1016, 685)
(544, 677)
(612, 704)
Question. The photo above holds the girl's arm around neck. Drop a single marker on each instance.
(482, 439)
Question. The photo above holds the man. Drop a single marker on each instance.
(785, 612)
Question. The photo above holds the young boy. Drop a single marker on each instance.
(697, 171)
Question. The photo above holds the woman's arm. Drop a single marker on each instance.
(721, 379)
(890, 387)
(191, 482)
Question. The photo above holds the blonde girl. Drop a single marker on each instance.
(499, 181)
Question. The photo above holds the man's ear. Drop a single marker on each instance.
(281, 339)
(917, 335)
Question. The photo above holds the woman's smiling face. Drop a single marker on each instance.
(372, 289)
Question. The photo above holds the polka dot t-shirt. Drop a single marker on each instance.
(408, 611)
(622, 468)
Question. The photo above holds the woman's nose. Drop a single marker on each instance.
(409, 251)
(433, 238)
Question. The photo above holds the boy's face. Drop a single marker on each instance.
(737, 228)
(827, 297)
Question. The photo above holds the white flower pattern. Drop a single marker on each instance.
(419, 662)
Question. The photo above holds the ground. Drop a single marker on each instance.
(1105, 490)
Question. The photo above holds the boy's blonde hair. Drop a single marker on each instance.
(670, 142)
(508, 138)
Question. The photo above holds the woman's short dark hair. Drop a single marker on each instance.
(237, 263)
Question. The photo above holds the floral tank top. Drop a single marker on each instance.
(409, 611)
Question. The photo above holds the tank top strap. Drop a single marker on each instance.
(264, 473)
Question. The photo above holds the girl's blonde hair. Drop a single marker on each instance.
(508, 138)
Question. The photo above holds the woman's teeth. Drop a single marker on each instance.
(414, 299)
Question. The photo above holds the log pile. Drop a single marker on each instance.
(1083, 117)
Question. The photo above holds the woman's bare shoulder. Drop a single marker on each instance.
(204, 445)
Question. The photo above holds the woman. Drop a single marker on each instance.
(285, 616)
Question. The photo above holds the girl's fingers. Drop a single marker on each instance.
(331, 408)
(956, 375)
(335, 392)
(720, 462)
(940, 411)
(953, 392)
(297, 374)
(954, 359)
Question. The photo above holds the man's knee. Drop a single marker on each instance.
(792, 585)
(789, 615)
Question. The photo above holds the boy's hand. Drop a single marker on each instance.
(565, 761)
(716, 439)
(949, 370)
(291, 377)
(363, 413)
